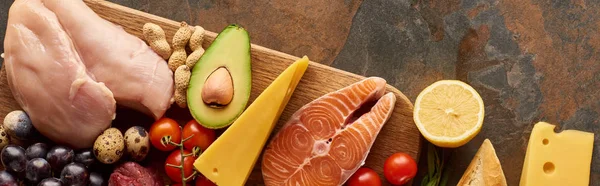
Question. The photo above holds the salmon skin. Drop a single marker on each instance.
(328, 139)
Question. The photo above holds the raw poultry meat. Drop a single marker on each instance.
(49, 80)
(68, 68)
(138, 77)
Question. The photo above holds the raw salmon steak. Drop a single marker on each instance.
(328, 139)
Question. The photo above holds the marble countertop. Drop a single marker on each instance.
(530, 60)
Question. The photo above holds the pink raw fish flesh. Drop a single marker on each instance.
(324, 142)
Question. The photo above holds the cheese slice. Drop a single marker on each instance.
(231, 158)
(557, 158)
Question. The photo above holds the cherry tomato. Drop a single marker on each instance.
(175, 159)
(203, 181)
(399, 168)
(167, 128)
(202, 138)
(364, 177)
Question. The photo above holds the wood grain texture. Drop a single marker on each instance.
(398, 135)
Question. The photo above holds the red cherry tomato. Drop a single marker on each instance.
(399, 168)
(364, 177)
(175, 159)
(203, 181)
(162, 128)
(202, 138)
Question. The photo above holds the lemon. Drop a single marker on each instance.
(449, 113)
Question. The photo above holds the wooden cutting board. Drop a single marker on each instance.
(399, 134)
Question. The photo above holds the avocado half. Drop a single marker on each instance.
(231, 50)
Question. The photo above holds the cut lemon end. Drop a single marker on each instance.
(449, 113)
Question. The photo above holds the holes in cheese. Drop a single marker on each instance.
(548, 167)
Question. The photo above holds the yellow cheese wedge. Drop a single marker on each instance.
(231, 158)
(557, 158)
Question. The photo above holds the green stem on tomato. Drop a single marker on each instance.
(188, 138)
(191, 176)
(181, 150)
(167, 140)
(174, 166)
(175, 144)
(196, 151)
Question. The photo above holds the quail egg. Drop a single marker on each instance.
(137, 142)
(18, 125)
(109, 146)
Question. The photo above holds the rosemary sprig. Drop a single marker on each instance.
(437, 173)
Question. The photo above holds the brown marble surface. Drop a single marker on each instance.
(530, 60)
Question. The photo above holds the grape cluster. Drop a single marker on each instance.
(44, 166)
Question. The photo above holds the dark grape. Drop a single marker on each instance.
(50, 182)
(37, 170)
(37, 150)
(96, 179)
(13, 158)
(59, 156)
(85, 157)
(6, 179)
(74, 174)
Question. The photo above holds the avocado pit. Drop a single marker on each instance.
(218, 88)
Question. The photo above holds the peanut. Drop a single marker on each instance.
(181, 37)
(196, 46)
(180, 98)
(194, 57)
(155, 36)
(182, 79)
(197, 37)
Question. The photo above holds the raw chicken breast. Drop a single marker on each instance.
(138, 77)
(49, 80)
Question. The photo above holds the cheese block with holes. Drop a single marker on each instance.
(557, 158)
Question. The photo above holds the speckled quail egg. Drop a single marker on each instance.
(137, 142)
(4, 139)
(109, 146)
(18, 125)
